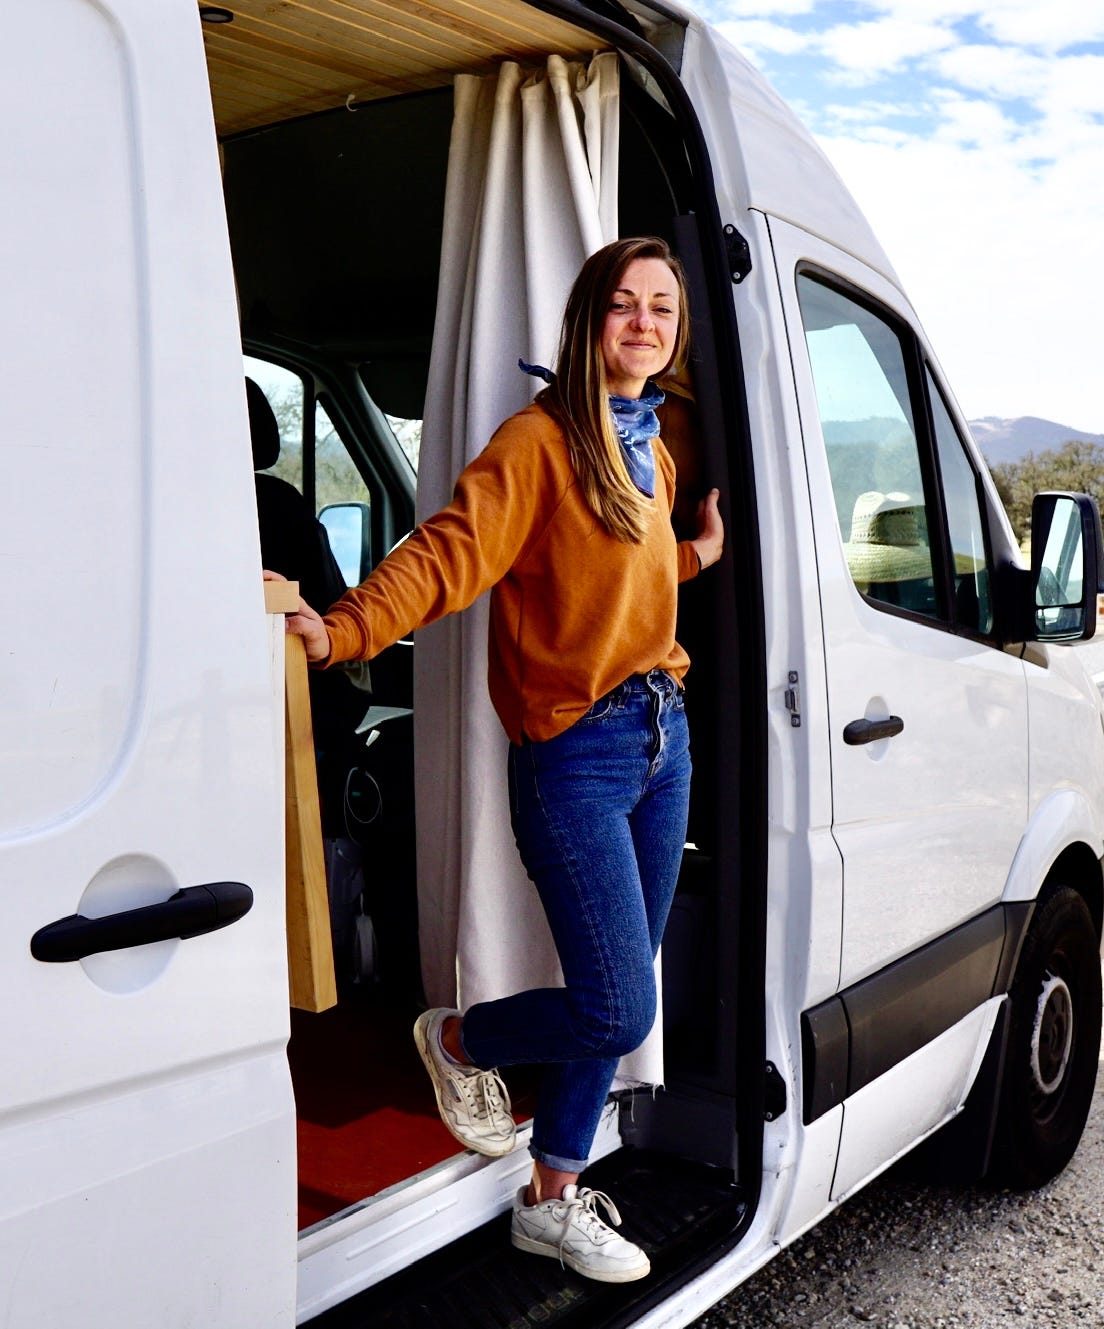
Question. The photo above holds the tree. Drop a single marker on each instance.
(1077, 466)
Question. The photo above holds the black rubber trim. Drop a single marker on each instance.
(825, 1046)
(959, 1154)
(867, 1029)
(897, 1011)
(1017, 916)
(742, 563)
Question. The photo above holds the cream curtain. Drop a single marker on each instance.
(531, 191)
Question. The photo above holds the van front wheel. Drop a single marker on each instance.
(1053, 1044)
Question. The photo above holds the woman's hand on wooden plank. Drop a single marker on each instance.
(305, 623)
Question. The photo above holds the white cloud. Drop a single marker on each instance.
(767, 9)
(883, 45)
(1000, 71)
(969, 122)
(1000, 262)
(754, 35)
(1077, 86)
(1049, 25)
(1065, 93)
(869, 113)
(1070, 84)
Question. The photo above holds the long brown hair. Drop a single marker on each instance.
(579, 397)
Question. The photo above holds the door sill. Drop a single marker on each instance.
(683, 1214)
(370, 1241)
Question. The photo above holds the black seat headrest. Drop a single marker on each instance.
(263, 429)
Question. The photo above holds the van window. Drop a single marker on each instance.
(973, 605)
(286, 393)
(866, 417)
(313, 455)
(409, 436)
(336, 478)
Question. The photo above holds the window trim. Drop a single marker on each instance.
(928, 373)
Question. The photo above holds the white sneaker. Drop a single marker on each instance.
(570, 1229)
(474, 1104)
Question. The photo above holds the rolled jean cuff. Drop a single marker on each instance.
(557, 1163)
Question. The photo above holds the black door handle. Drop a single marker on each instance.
(869, 731)
(189, 913)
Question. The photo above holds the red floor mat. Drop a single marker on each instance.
(366, 1113)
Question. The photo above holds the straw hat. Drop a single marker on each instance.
(885, 542)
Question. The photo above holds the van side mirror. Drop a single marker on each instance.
(1066, 552)
(349, 526)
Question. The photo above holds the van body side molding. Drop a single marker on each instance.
(865, 1030)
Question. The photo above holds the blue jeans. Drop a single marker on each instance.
(599, 815)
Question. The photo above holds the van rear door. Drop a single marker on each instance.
(147, 1150)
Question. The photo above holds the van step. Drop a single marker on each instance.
(681, 1213)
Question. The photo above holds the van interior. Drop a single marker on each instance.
(334, 123)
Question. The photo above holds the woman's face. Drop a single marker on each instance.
(638, 336)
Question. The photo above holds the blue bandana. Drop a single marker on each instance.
(636, 423)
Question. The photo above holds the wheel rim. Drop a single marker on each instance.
(1051, 1036)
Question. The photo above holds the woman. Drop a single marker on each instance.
(566, 515)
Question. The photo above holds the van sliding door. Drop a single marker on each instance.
(147, 1148)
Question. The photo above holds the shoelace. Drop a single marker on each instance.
(584, 1210)
(495, 1095)
(486, 1094)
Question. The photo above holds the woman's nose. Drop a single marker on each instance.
(641, 318)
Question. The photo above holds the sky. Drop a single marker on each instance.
(972, 136)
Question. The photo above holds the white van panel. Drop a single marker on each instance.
(1064, 817)
(71, 263)
(69, 1244)
(1065, 701)
(811, 1195)
(145, 1110)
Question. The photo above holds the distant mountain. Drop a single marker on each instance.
(1011, 440)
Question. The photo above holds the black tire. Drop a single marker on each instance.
(1053, 1044)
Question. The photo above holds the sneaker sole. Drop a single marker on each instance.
(421, 1042)
(523, 1243)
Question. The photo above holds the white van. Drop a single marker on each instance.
(890, 910)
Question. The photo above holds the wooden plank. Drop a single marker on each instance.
(281, 597)
(311, 979)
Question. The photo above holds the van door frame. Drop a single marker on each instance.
(742, 744)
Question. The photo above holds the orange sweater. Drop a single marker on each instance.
(574, 611)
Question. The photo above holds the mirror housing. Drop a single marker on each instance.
(1066, 568)
(349, 526)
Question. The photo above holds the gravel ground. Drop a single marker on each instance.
(907, 1256)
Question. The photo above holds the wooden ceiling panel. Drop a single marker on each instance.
(284, 58)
